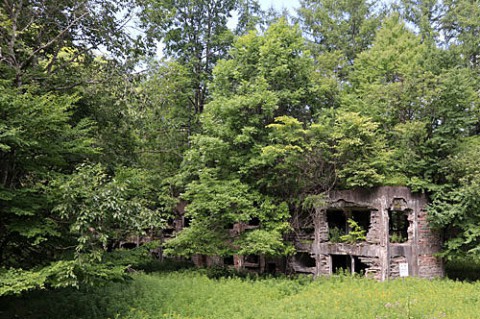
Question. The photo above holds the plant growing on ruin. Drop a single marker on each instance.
(356, 233)
(397, 238)
(335, 235)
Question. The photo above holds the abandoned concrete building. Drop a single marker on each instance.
(396, 232)
(365, 231)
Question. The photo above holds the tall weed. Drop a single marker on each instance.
(192, 295)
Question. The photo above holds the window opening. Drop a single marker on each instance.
(305, 260)
(362, 217)
(359, 266)
(398, 226)
(304, 222)
(348, 264)
(341, 263)
(271, 268)
(168, 232)
(254, 222)
(202, 260)
(252, 259)
(129, 245)
(337, 219)
(228, 261)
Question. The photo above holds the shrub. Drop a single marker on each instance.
(356, 233)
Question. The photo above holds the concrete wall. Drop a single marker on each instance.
(377, 255)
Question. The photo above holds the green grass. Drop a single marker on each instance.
(192, 295)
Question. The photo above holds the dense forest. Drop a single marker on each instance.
(100, 138)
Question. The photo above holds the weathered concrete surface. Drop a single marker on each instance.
(377, 254)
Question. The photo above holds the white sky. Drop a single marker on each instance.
(280, 4)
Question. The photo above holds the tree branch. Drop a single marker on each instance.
(56, 38)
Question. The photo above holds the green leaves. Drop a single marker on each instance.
(263, 242)
(222, 201)
(252, 128)
(456, 206)
(64, 273)
(16, 281)
(100, 208)
(346, 27)
(356, 233)
(195, 32)
(40, 142)
(360, 151)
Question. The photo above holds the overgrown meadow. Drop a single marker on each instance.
(193, 295)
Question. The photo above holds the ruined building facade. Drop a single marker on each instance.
(396, 231)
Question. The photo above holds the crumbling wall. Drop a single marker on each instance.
(303, 262)
(429, 243)
(374, 233)
(430, 267)
(323, 265)
(321, 225)
(395, 262)
(374, 268)
(377, 254)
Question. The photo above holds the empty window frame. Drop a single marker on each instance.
(305, 260)
(228, 261)
(347, 264)
(338, 221)
(398, 226)
(362, 217)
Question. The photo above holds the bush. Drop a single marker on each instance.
(463, 269)
(192, 295)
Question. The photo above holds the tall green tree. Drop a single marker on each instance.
(423, 104)
(461, 30)
(194, 32)
(455, 208)
(346, 27)
(425, 15)
(161, 122)
(61, 106)
(38, 143)
(250, 16)
(337, 31)
(34, 35)
(452, 25)
(220, 171)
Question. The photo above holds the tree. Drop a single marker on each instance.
(102, 209)
(448, 24)
(402, 83)
(250, 15)
(426, 16)
(455, 207)
(58, 111)
(194, 32)
(347, 27)
(360, 152)
(160, 121)
(219, 171)
(48, 207)
(34, 35)
(37, 144)
(461, 31)
(340, 150)
(337, 31)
